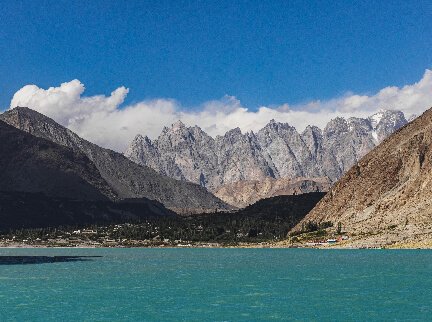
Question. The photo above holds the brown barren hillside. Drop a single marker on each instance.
(244, 193)
(387, 196)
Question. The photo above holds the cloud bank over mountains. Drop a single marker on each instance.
(103, 120)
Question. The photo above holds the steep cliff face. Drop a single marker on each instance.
(285, 151)
(240, 157)
(276, 151)
(387, 195)
(126, 178)
(245, 193)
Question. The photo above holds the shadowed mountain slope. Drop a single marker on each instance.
(295, 206)
(32, 164)
(36, 210)
(126, 178)
(44, 184)
(266, 219)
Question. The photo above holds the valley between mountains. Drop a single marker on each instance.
(364, 179)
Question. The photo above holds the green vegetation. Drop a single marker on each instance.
(217, 228)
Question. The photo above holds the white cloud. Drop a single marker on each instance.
(100, 118)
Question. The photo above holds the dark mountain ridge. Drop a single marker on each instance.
(44, 184)
(31, 164)
(124, 177)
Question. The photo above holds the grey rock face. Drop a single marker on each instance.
(126, 178)
(276, 151)
(239, 157)
(286, 152)
(386, 122)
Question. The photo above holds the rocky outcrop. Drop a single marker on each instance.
(386, 196)
(244, 193)
(276, 151)
(126, 178)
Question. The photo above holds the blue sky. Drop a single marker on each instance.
(261, 52)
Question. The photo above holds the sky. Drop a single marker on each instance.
(110, 69)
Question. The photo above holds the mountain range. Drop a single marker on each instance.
(277, 151)
(51, 176)
(115, 176)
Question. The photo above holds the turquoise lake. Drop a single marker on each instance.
(218, 285)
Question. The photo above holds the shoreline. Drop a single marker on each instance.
(279, 245)
(388, 240)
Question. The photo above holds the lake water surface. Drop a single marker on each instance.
(215, 285)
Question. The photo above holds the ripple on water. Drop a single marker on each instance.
(217, 285)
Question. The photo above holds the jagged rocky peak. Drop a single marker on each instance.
(251, 135)
(312, 133)
(198, 131)
(336, 126)
(232, 136)
(277, 135)
(236, 132)
(376, 118)
(178, 126)
(139, 139)
(141, 150)
(178, 134)
(277, 150)
(388, 117)
(313, 129)
(389, 121)
(355, 123)
(312, 136)
(277, 127)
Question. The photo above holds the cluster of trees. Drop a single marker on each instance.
(221, 228)
(315, 227)
(312, 226)
(224, 228)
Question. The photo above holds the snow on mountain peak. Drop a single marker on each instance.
(376, 118)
